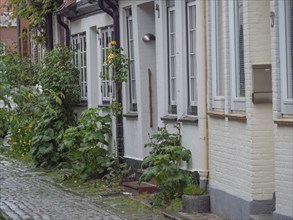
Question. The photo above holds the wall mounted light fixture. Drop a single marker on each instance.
(148, 37)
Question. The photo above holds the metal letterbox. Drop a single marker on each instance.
(262, 84)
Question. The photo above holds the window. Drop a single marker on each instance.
(79, 49)
(172, 61)
(217, 54)
(106, 35)
(286, 54)
(191, 48)
(237, 54)
(132, 77)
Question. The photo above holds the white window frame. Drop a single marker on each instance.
(192, 75)
(171, 60)
(218, 101)
(285, 59)
(107, 86)
(79, 50)
(131, 71)
(237, 102)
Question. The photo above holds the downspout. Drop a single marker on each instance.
(49, 30)
(18, 35)
(114, 13)
(67, 30)
(202, 108)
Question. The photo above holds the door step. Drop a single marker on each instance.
(135, 188)
(261, 217)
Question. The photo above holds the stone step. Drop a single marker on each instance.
(261, 217)
(135, 188)
(139, 172)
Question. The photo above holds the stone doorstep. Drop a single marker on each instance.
(135, 188)
(139, 172)
(261, 217)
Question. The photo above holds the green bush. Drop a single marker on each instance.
(58, 74)
(43, 95)
(163, 165)
(85, 146)
(4, 122)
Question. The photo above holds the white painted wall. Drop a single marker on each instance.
(90, 25)
(191, 137)
(137, 130)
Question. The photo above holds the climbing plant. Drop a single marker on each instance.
(117, 63)
(34, 11)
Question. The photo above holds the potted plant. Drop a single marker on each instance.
(195, 199)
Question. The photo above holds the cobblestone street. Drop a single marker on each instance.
(30, 195)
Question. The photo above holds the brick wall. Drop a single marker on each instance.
(283, 138)
(284, 170)
(229, 157)
(259, 116)
(241, 154)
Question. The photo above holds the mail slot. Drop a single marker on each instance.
(262, 84)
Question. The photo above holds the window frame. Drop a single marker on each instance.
(80, 60)
(131, 69)
(237, 102)
(285, 62)
(192, 102)
(218, 100)
(172, 101)
(107, 85)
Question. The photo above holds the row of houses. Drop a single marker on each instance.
(220, 70)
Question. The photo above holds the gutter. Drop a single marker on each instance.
(113, 11)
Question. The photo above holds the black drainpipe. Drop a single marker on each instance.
(49, 30)
(18, 35)
(67, 30)
(113, 11)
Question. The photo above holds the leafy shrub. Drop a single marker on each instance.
(58, 74)
(21, 119)
(43, 95)
(4, 122)
(192, 189)
(85, 146)
(52, 121)
(163, 165)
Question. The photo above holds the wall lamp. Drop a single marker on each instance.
(148, 37)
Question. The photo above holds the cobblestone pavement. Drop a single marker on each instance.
(29, 195)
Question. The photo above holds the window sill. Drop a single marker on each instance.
(284, 121)
(216, 114)
(236, 117)
(103, 105)
(130, 115)
(189, 119)
(171, 118)
(81, 104)
(231, 116)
